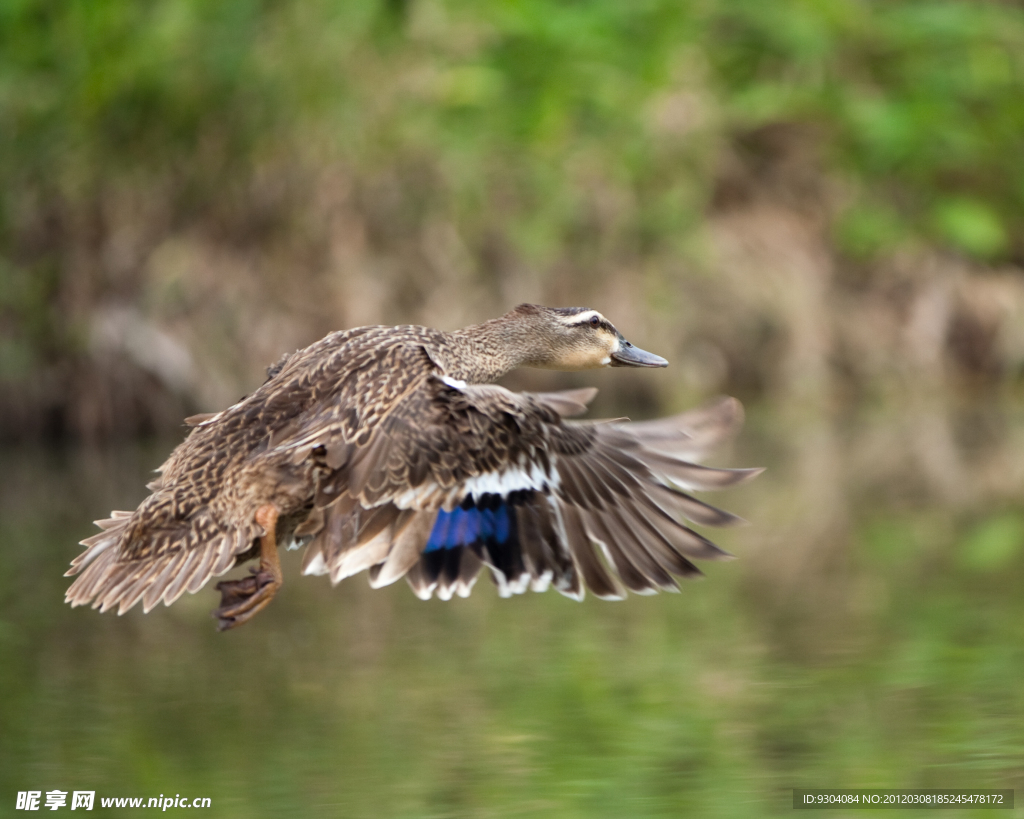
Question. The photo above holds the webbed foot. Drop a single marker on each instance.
(243, 599)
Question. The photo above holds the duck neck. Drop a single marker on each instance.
(483, 353)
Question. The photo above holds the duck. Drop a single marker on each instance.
(391, 450)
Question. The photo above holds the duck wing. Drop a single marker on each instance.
(456, 477)
(199, 520)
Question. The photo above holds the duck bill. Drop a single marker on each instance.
(629, 356)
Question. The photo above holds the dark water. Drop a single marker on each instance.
(871, 635)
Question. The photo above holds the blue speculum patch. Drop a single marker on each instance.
(469, 524)
(487, 526)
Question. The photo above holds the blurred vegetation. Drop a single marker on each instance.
(541, 147)
(917, 101)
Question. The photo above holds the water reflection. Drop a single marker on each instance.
(871, 635)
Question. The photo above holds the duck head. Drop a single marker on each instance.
(578, 338)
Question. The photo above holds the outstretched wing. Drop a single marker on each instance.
(459, 477)
(199, 520)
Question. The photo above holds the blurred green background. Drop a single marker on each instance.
(815, 206)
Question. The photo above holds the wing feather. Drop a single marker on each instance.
(615, 550)
(641, 554)
(204, 571)
(597, 578)
(162, 580)
(227, 549)
(600, 503)
(182, 575)
(405, 550)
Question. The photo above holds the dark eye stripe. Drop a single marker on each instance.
(603, 324)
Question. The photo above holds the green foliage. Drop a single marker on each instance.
(584, 136)
(971, 225)
(919, 100)
(993, 543)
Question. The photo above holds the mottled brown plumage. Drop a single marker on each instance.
(384, 448)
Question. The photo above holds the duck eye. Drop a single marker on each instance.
(595, 321)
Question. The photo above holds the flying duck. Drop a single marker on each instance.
(389, 449)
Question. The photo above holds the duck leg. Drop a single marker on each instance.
(242, 599)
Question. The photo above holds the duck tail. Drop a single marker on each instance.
(134, 558)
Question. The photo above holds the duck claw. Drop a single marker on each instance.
(242, 599)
